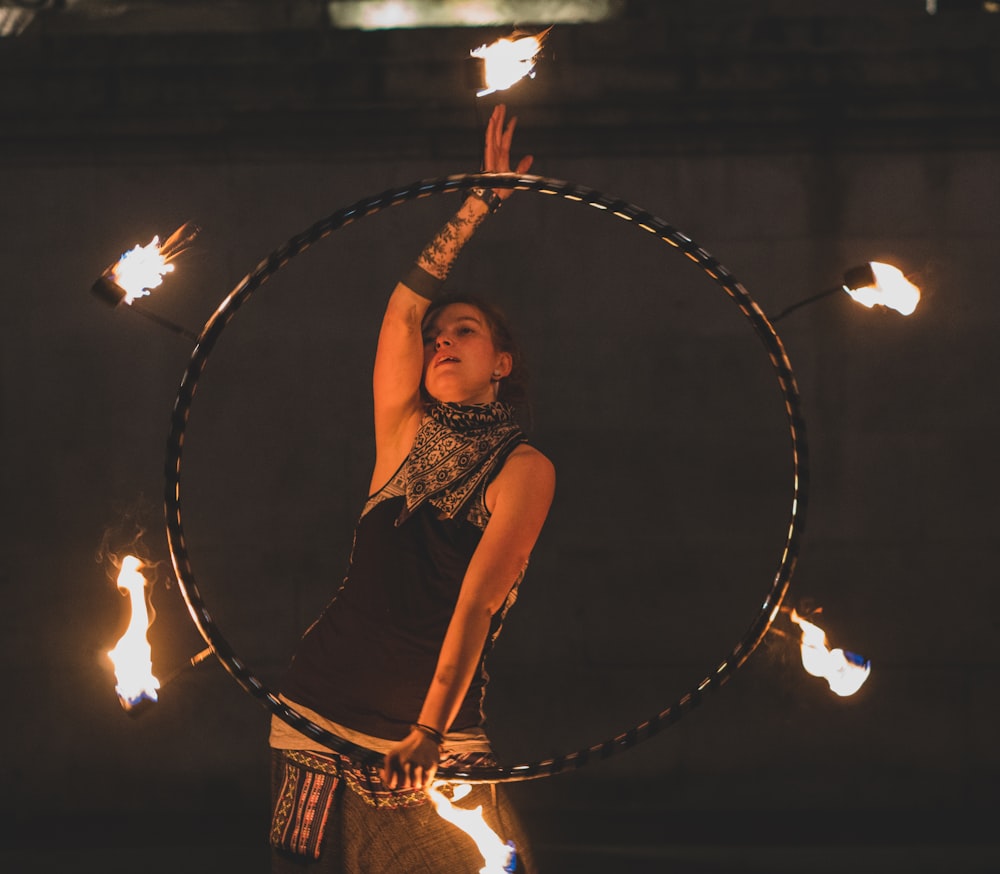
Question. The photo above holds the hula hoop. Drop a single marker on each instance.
(369, 206)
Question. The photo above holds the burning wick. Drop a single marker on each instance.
(844, 671)
(870, 284)
(142, 269)
(883, 285)
(508, 60)
(132, 656)
(499, 857)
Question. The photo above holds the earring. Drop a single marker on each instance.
(496, 376)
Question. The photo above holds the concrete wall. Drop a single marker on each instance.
(651, 394)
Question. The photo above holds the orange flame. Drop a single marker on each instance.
(496, 854)
(508, 60)
(845, 672)
(132, 656)
(891, 289)
(142, 268)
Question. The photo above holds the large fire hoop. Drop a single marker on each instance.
(613, 207)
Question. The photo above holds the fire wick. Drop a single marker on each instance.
(113, 294)
(137, 706)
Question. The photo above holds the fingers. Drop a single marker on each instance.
(400, 772)
(495, 127)
(409, 776)
(507, 135)
(499, 136)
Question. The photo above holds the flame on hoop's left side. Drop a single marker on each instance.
(142, 268)
(132, 656)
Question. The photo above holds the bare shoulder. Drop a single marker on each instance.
(527, 470)
(528, 458)
(524, 488)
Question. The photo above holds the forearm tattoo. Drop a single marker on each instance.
(439, 255)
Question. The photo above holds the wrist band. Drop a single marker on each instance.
(487, 196)
(423, 283)
(432, 733)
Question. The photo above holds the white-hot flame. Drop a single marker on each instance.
(844, 671)
(140, 270)
(508, 60)
(132, 656)
(891, 289)
(496, 854)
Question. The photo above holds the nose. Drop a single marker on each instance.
(441, 340)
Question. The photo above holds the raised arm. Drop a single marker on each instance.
(399, 357)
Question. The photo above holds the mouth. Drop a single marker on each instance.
(446, 359)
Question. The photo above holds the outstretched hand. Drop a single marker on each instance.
(496, 154)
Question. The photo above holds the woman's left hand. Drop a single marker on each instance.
(496, 154)
(412, 762)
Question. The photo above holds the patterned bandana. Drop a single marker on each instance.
(456, 449)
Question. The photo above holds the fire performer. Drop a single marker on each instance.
(396, 662)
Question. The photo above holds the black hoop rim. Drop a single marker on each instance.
(573, 192)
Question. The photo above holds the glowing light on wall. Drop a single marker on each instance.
(399, 14)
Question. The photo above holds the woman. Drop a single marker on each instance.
(396, 663)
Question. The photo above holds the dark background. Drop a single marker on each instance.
(790, 140)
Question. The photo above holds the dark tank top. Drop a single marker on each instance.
(369, 659)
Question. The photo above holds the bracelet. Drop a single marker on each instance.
(432, 733)
(487, 196)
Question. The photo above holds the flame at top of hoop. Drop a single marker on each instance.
(508, 60)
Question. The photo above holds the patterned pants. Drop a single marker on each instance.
(334, 817)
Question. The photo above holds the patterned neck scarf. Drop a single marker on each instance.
(456, 450)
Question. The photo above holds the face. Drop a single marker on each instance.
(460, 359)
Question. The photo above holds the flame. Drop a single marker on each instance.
(844, 671)
(132, 656)
(891, 289)
(508, 60)
(142, 268)
(496, 854)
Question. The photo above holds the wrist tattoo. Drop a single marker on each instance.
(438, 256)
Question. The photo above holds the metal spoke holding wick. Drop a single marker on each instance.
(612, 207)
(113, 294)
(184, 667)
(805, 302)
(164, 323)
